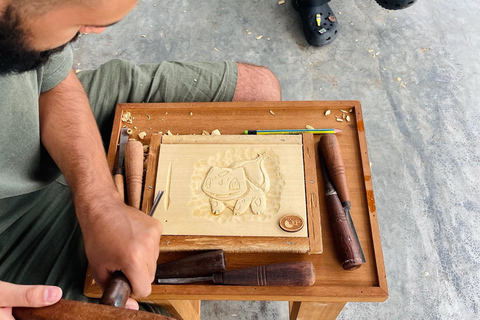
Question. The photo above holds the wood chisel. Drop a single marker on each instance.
(119, 172)
(300, 273)
(118, 289)
(348, 248)
(334, 162)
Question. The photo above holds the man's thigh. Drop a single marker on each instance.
(120, 81)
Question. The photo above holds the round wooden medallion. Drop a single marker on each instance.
(291, 223)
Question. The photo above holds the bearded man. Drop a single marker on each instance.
(50, 223)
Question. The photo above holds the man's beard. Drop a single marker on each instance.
(15, 54)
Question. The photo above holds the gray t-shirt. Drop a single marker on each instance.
(25, 166)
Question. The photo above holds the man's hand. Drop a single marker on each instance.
(13, 295)
(119, 237)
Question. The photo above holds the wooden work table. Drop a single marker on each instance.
(334, 287)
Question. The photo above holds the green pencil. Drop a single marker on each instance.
(293, 131)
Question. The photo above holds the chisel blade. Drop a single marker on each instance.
(354, 231)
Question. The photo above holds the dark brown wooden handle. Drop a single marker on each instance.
(336, 169)
(198, 265)
(346, 246)
(117, 290)
(75, 310)
(134, 172)
(301, 273)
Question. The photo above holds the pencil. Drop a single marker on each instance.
(293, 131)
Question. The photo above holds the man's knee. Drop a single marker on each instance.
(256, 83)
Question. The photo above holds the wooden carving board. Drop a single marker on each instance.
(186, 210)
(260, 178)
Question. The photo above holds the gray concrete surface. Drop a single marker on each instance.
(423, 139)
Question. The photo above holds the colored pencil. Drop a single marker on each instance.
(293, 131)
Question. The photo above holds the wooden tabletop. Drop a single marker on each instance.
(333, 283)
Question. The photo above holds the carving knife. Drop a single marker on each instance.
(332, 166)
(119, 172)
(300, 273)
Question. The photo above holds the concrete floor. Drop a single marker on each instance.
(423, 139)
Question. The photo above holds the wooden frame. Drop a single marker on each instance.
(311, 244)
(334, 286)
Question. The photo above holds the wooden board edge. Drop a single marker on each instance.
(231, 244)
(151, 174)
(374, 226)
(311, 195)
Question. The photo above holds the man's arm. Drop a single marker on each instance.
(116, 236)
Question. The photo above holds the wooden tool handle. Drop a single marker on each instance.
(300, 273)
(117, 291)
(347, 247)
(118, 179)
(335, 166)
(198, 265)
(76, 310)
(134, 172)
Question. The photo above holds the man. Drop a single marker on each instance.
(48, 124)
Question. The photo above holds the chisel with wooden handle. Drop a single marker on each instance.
(134, 172)
(76, 310)
(118, 289)
(345, 239)
(300, 273)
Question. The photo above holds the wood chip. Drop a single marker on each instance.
(327, 112)
(271, 112)
(344, 111)
(216, 132)
(399, 79)
(259, 37)
(205, 133)
(309, 127)
(191, 113)
(351, 110)
(339, 120)
(169, 133)
(281, 2)
(148, 116)
(216, 49)
(142, 135)
(347, 118)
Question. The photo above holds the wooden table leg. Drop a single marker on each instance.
(182, 309)
(315, 310)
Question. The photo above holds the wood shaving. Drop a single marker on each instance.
(344, 111)
(327, 112)
(351, 110)
(271, 112)
(309, 127)
(205, 133)
(169, 133)
(259, 37)
(369, 50)
(339, 120)
(142, 135)
(191, 113)
(347, 118)
(127, 117)
(343, 116)
(216, 49)
(402, 85)
(144, 36)
(216, 132)
(148, 116)
(399, 79)
(248, 32)
(281, 2)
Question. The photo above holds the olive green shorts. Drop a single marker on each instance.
(40, 239)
